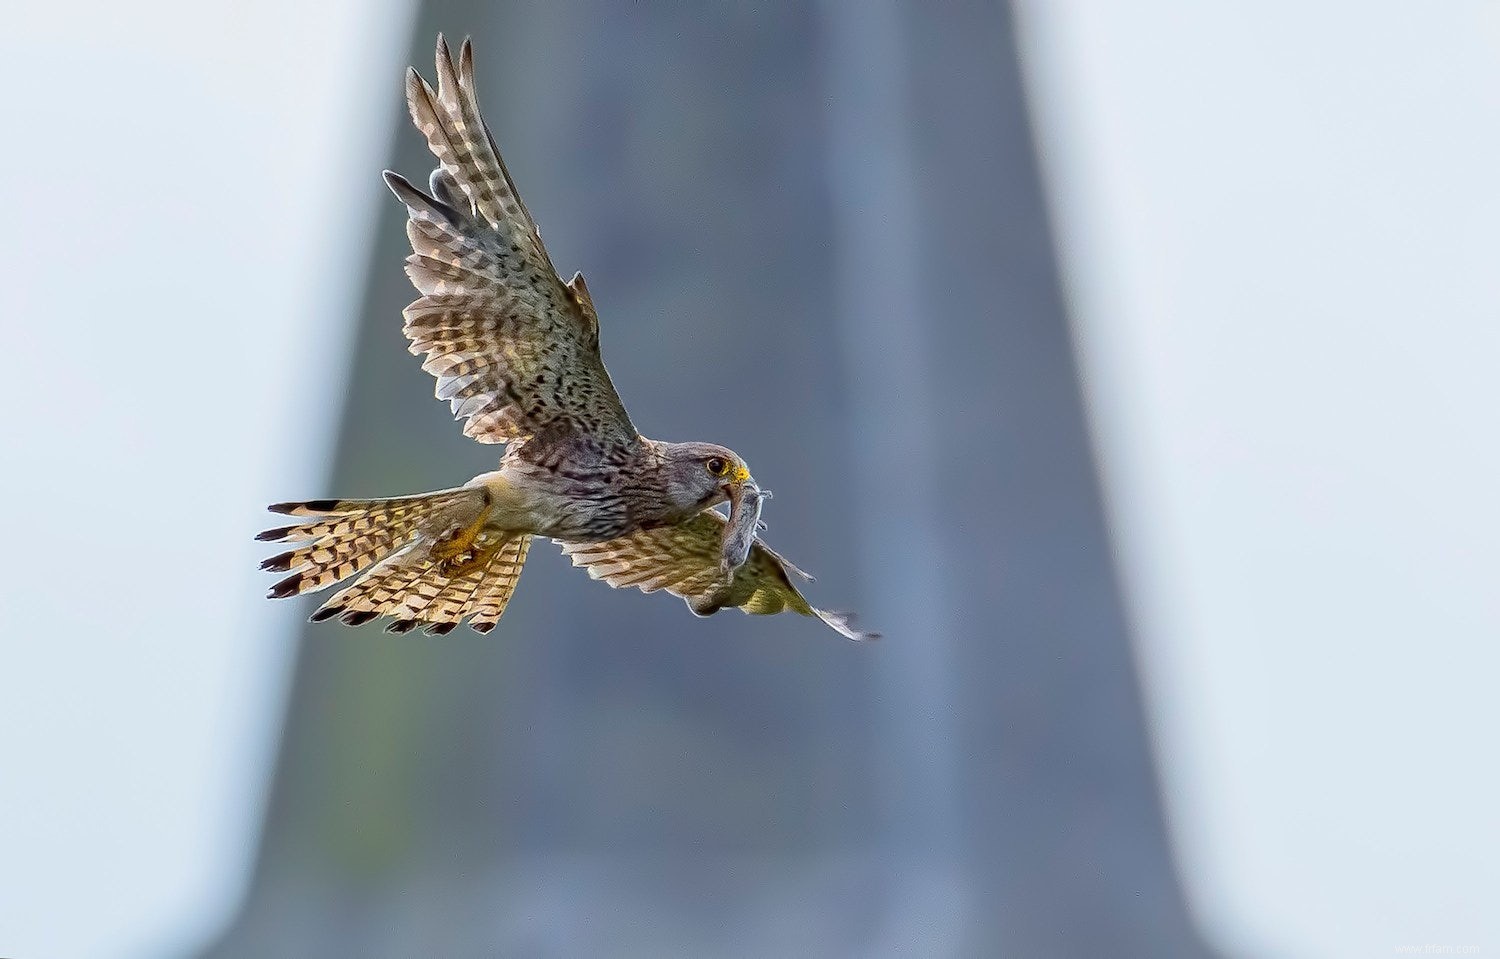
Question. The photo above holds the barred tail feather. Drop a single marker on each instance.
(493, 594)
(412, 589)
(345, 537)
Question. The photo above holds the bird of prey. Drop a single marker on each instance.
(516, 352)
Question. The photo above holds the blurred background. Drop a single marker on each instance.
(1130, 366)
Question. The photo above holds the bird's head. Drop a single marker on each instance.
(700, 475)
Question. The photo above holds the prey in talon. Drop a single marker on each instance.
(516, 352)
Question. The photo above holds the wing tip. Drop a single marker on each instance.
(466, 61)
(415, 86)
(843, 624)
(447, 71)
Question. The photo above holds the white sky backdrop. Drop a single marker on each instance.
(1281, 225)
(1279, 222)
(187, 187)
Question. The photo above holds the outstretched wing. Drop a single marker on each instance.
(514, 349)
(685, 561)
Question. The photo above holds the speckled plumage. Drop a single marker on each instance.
(516, 353)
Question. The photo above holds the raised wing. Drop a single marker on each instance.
(685, 560)
(514, 349)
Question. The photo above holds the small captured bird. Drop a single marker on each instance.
(516, 352)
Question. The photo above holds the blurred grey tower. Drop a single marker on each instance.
(815, 232)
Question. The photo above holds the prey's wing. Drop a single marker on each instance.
(514, 349)
(685, 560)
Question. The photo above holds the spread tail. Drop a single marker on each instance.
(429, 559)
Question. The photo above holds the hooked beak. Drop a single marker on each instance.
(735, 481)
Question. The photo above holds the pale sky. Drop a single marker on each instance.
(189, 246)
(1278, 224)
(1279, 227)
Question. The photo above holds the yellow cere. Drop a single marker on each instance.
(741, 474)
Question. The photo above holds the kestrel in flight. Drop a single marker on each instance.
(516, 352)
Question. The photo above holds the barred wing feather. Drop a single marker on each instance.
(685, 561)
(514, 349)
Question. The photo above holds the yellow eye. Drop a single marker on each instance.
(717, 466)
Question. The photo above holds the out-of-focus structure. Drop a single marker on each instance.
(844, 198)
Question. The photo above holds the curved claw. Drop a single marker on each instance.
(456, 554)
(455, 566)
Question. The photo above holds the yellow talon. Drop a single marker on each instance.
(454, 567)
(446, 550)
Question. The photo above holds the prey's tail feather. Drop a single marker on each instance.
(408, 549)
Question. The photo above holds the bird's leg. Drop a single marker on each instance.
(455, 554)
(476, 559)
